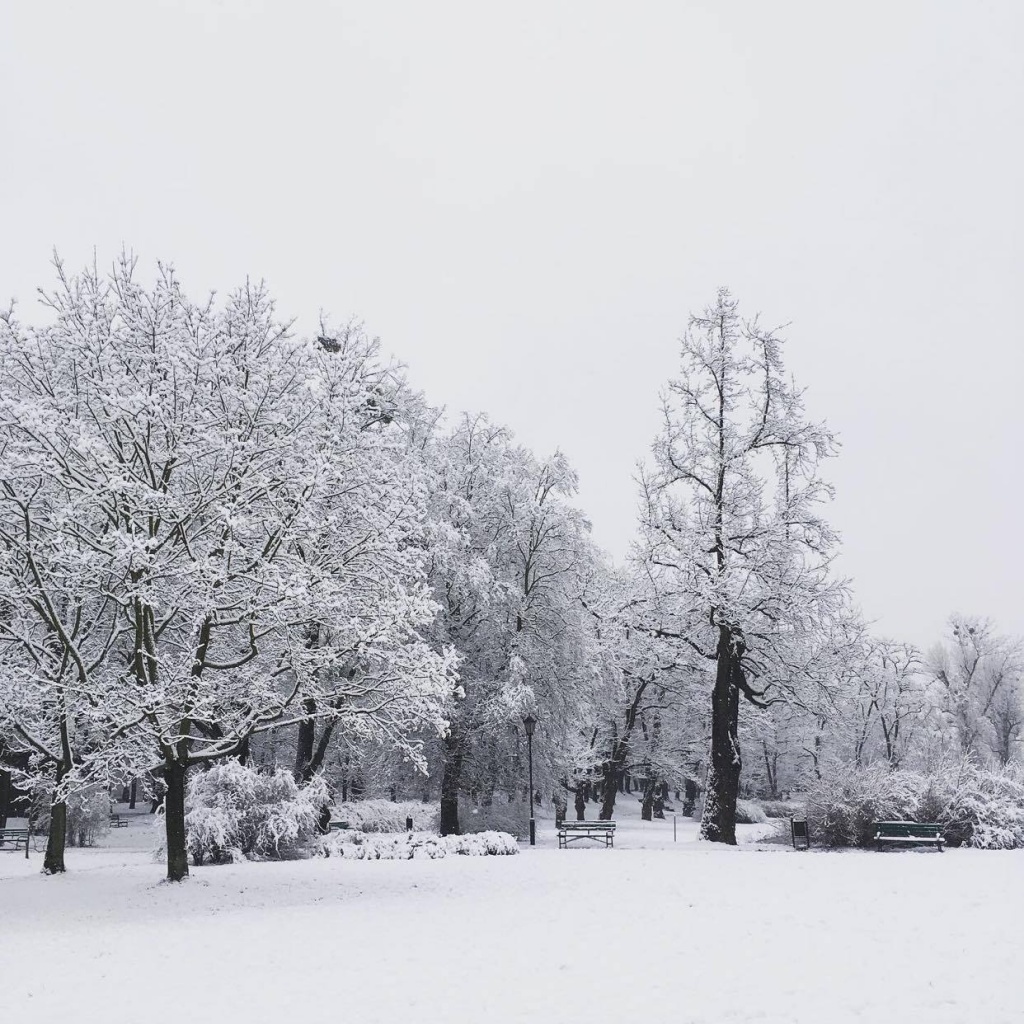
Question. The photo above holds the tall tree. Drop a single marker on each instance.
(732, 527)
(507, 552)
(258, 541)
(979, 673)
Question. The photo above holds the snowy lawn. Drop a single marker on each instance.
(652, 929)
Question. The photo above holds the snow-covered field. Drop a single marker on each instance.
(652, 929)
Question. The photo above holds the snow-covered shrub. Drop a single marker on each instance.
(410, 846)
(781, 808)
(236, 812)
(976, 806)
(388, 816)
(843, 806)
(88, 816)
(749, 813)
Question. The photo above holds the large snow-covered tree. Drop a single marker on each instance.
(980, 677)
(254, 522)
(732, 526)
(507, 552)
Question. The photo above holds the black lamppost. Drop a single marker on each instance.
(530, 722)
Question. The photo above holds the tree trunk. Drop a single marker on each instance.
(242, 753)
(647, 804)
(306, 740)
(174, 821)
(323, 823)
(771, 771)
(53, 862)
(450, 782)
(132, 793)
(580, 804)
(718, 823)
(607, 805)
(5, 796)
(690, 794)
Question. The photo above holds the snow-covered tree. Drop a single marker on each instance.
(731, 521)
(250, 518)
(507, 552)
(980, 675)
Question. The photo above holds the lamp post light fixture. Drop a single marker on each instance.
(530, 724)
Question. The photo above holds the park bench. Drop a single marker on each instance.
(17, 838)
(570, 831)
(908, 833)
(116, 821)
(338, 826)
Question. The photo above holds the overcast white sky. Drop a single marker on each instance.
(525, 200)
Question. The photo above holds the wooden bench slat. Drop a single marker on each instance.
(909, 833)
(17, 837)
(572, 831)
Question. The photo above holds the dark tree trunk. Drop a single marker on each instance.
(5, 796)
(647, 804)
(450, 782)
(718, 823)
(611, 790)
(174, 821)
(305, 743)
(580, 804)
(771, 767)
(242, 752)
(323, 823)
(53, 862)
(691, 793)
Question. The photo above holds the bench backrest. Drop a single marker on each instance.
(587, 824)
(908, 829)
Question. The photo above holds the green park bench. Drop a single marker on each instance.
(116, 821)
(908, 833)
(14, 839)
(570, 831)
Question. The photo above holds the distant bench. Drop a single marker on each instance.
(338, 826)
(116, 821)
(16, 837)
(909, 833)
(570, 831)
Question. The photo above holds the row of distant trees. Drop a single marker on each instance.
(220, 540)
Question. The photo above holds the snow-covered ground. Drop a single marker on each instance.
(656, 929)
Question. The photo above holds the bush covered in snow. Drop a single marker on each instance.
(781, 808)
(978, 807)
(409, 846)
(843, 806)
(749, 813)
(388, 816)
(236, 812)
(88, 816)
